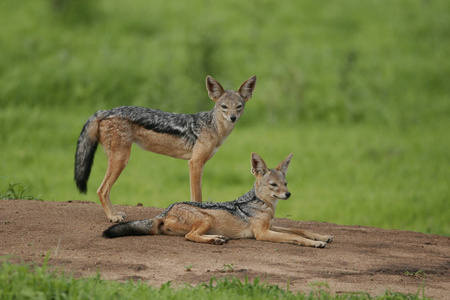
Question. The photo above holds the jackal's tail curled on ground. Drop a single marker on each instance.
(143, 227)
(84, 156)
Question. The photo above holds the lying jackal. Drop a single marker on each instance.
(194, 137)
(249, 216)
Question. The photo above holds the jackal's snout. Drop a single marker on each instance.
(233, 118)
(283, 196)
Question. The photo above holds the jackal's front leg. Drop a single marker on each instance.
(304, 233)
(280, 237)
(195, 176)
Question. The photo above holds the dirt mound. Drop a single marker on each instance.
(359, 259)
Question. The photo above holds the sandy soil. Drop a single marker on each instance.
(359, 259)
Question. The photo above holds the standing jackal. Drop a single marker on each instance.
(193, 137)
(249, 216)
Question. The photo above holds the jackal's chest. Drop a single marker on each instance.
(209, 143)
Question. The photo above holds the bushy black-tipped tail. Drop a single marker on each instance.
(84, 156)
(142, 227)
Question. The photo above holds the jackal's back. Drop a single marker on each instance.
(245, 207)
(187, 126)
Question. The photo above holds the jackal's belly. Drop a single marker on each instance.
(238, 231)
(162, 143)
(182, 218)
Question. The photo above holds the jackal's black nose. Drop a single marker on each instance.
(233, 118)
(288, 195)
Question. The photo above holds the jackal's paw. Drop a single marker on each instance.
(227, 239)
(319, 244)
(324, 238)
(118, 217)
(220, 240)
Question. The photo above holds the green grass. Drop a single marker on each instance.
(339, 62)
(356, 90)
(35, 282)
(16, 191)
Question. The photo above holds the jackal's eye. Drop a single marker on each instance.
(223, 106)
(239, 106)
(273, 184)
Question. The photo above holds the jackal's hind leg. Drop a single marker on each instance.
(117, 161)
(208, 239)
(217, 239)
(115, 167)
(197, 233)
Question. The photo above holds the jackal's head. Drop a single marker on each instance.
(270, 184)
(229, 103)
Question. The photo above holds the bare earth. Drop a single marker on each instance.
(359, 259)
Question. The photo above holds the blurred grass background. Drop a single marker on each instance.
(357, 90)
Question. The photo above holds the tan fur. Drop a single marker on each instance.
(117, 134)
(216, 225)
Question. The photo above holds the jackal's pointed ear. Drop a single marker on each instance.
(215, 90)
(283, 166)
(246, 89)
(258, 165)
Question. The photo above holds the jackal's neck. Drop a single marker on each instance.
(220, 124)
(268, 201)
